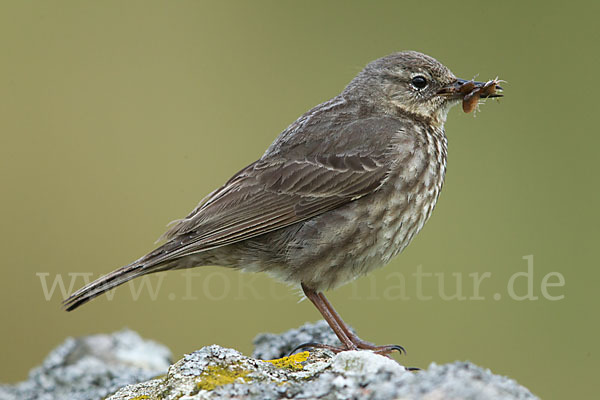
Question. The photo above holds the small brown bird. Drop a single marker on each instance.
(339, 193)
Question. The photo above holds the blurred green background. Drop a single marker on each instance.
(118, 117)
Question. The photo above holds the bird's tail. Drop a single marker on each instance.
(145, 265)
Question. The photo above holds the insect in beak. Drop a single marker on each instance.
(471, 91)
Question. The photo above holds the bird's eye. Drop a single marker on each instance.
(419, 82)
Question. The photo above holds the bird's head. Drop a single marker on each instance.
(416, 83)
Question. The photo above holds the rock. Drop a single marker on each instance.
(271, 345)
(214, 372)
(217, 373)
(92, 367)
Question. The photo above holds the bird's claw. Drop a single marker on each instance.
(384, 350)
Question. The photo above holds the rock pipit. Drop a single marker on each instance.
(339, 193)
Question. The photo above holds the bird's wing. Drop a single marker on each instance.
(301, 176)
(275, 192)
(267, 196)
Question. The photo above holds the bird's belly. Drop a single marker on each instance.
(346, 243)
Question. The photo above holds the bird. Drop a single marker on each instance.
(339, 193)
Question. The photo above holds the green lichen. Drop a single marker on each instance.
(215, 375)
(140, 397)
(292, 362)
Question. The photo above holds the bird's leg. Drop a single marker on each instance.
(349, 340)
(361, 344)
(338, 329)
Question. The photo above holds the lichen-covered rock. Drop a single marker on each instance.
(272, 345)
(217, 373)
(214, 372)
(92, 367)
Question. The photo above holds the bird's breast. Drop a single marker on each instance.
(412, 192)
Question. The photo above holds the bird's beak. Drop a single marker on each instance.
(461, 87)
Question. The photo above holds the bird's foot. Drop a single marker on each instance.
(385, 350)
(314, 345)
